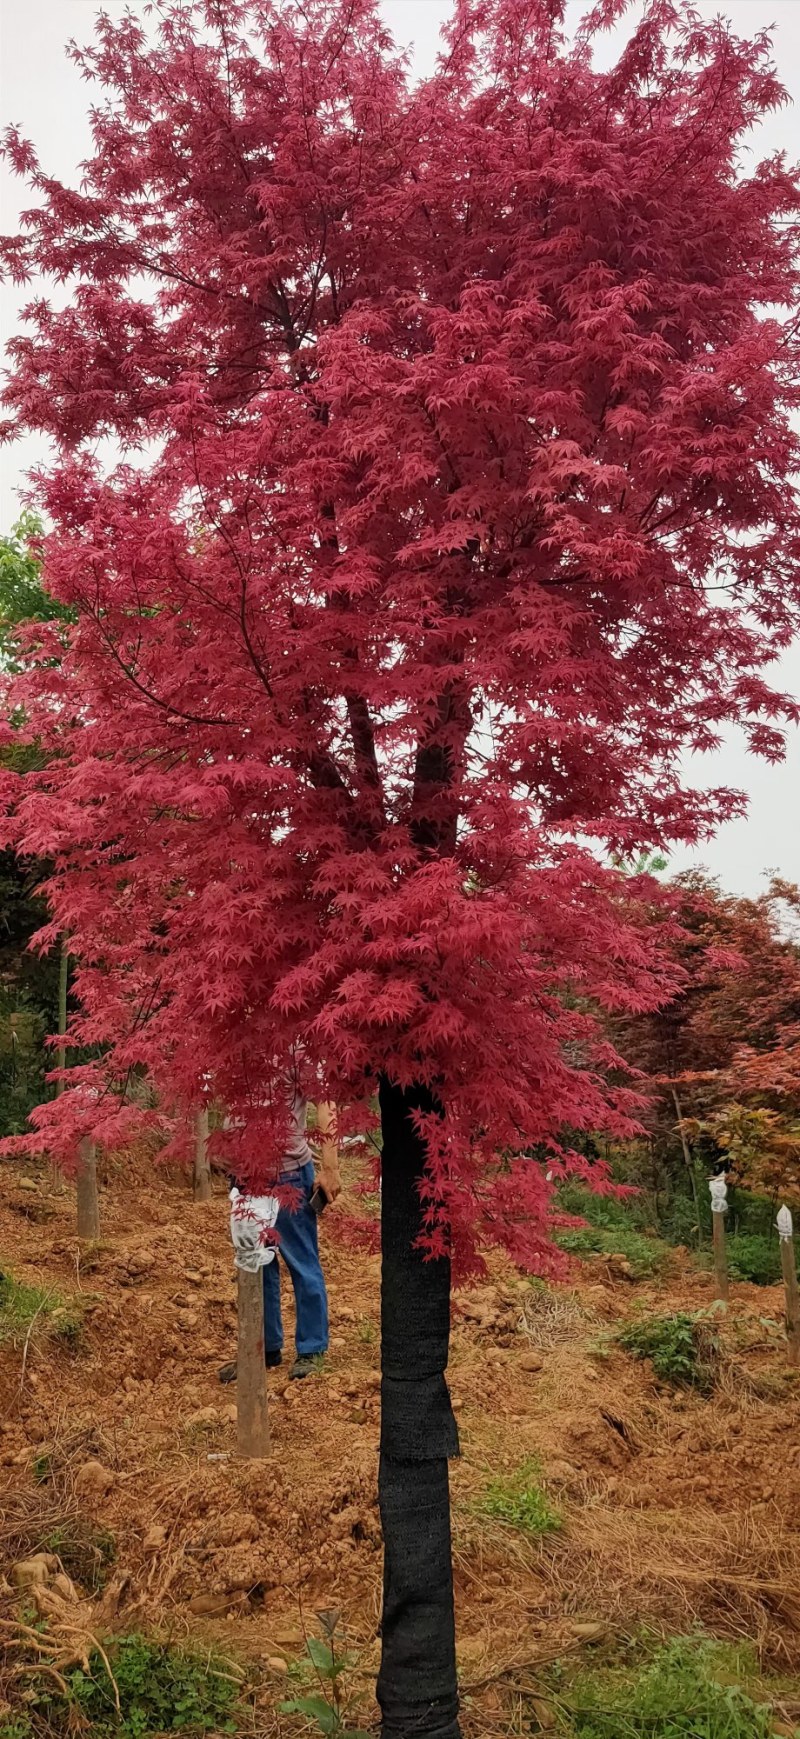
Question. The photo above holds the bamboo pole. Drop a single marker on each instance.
(789, 1266)
(719, 1208)
(202, 1169)
(252, 1419)
(88, 1203)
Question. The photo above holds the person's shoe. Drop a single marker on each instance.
(228, 1372)
(305, 1367)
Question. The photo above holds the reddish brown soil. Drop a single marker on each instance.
(676, 1508)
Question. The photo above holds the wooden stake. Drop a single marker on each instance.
(202, 1169)
(252, 1419)
(88, 1204)
(789, 1266)
(719, 1208)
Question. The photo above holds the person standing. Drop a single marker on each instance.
(298, 1247)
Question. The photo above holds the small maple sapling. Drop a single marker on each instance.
(454, 507)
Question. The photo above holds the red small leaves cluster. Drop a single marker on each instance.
(452, 505)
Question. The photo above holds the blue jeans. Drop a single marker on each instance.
(299, 1249)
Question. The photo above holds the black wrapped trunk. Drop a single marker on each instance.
(417, 1684)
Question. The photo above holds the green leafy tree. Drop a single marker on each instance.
(29, 983)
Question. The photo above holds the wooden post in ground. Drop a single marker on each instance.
(719, 1208)
(202, 1169)
(88, 1203)
(252, 1420)
(789, 1266)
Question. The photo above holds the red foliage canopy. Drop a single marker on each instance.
(447, 505)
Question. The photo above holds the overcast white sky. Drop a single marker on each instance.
(42, 92)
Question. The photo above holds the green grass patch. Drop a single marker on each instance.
(519, 1500)
(691, 1688)
(25, 1308)
(645, 1256)
(683, 1349)
(161, 1690)
(22, 1305)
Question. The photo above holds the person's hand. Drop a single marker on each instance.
(330, 1182)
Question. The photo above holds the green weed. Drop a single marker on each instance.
(689, 1690)
(646, 1256)
(754, 1256)
(161, 1690)
(519, 1500)
(23, 1306)
(683, 1349)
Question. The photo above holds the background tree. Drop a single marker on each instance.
(461, 509)
(29, 982)
(720, 1055)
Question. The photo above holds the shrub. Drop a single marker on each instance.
(518, 1500)
(754, 1256)
(608, 1212)
(683, 1349)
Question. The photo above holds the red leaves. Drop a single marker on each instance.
(444, 412)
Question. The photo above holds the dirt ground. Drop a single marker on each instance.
(119, 1446)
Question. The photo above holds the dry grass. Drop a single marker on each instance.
(551, 1318)
(638, 1471)
(740, 1579)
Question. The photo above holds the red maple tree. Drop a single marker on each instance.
(447, 504)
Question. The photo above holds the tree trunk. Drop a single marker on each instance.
(88, 1204)
(63, 985)
(252, 1420)
(689, 1163)
(417, 1683)
(56, 1177)
(202, 1169)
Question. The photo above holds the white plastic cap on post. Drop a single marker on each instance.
(719, 1195)
(784, 1223)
